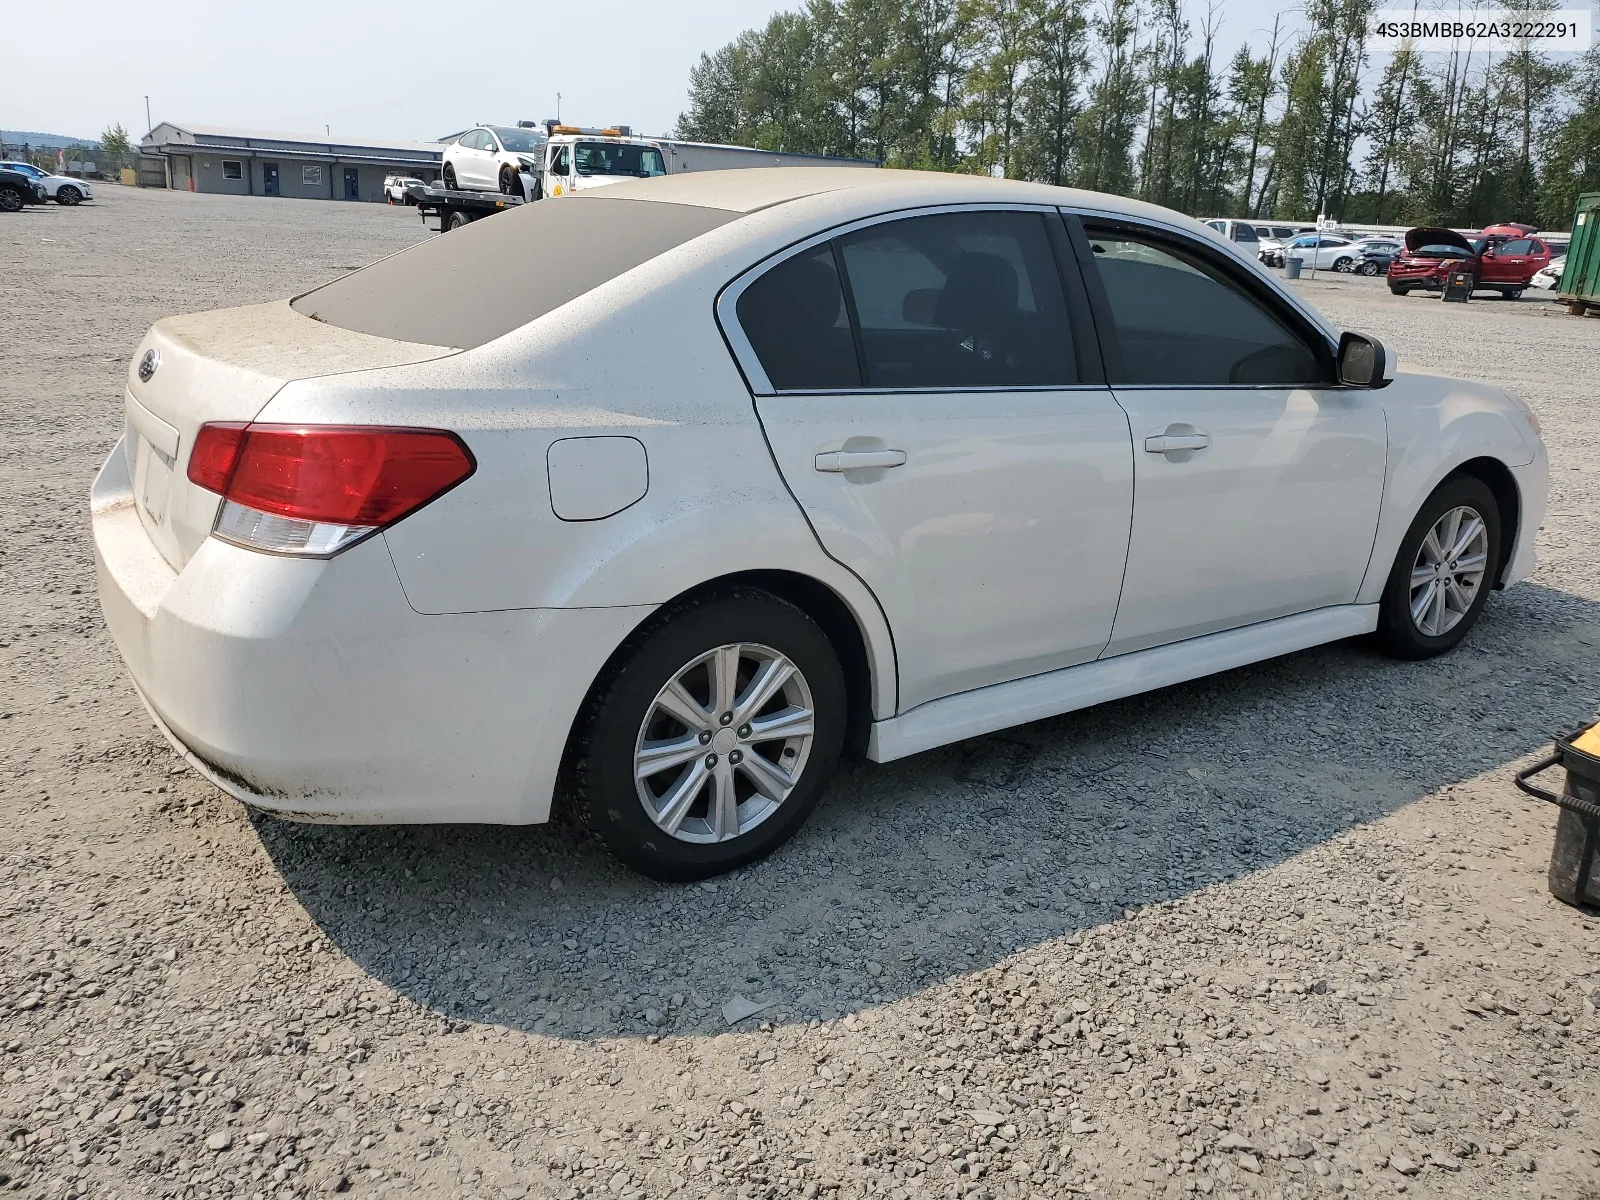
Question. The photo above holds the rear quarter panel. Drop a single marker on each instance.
(639, 357)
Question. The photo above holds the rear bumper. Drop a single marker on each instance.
(311, 689)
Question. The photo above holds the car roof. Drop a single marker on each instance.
(749, 189)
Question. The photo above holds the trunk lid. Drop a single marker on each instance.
(224, 366)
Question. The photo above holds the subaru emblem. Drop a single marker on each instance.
(148, 364)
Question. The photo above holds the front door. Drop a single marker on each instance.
(352, 183)
(943, 443)
(269, 179)
(1510, 263)
(1257, 480)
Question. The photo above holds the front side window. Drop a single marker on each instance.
(797, 323)
(613, 158)
(1181, 321)
(1521, 246)
(966, 299)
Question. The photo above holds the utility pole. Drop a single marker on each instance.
(558, 108)
(148, 125)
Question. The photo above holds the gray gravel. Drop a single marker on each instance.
(1280, 933)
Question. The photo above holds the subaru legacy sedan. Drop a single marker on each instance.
(655, 501)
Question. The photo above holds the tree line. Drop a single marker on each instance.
(1134, 97)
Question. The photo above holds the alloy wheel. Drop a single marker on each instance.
(724, 743)
(1449, 571)
(10, 200)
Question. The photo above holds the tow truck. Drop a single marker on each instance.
(577, 159)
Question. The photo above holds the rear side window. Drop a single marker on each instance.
(477, 283)
(969, 299)
(796, 321)
(1182, 322)
(949, 300)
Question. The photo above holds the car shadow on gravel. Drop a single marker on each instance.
(947, 862)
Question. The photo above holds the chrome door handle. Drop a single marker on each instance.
(1170, 443)
(858, 460)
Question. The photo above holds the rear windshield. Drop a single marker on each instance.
(474, 284)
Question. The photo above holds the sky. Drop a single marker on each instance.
(397, 69)
(393, 69)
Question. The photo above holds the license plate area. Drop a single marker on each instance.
(151, 446)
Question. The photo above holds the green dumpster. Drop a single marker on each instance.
(1580, 279)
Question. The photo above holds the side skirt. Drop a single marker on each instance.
(1003, 705)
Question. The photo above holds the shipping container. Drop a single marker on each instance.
(1580, 278)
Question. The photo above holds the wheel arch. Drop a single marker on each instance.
(819, 601)
(1497, 477)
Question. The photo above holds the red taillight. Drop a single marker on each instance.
(215, 451)
(351, 475)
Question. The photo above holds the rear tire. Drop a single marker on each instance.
(69, 195)
(10, 200)
(666, 822)
(1346, 265)
(1369, 269)
(450, 178)
(1512, 293)
(456, 220)
(1462, 574)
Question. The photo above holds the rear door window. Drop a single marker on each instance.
(1244, 233)
(965, 299)
(1180, 320)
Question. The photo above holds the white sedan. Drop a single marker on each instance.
(493, 158)
(659, 500)
(1325, 251)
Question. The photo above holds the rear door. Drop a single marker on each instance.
(937, 410)
(1256, 480)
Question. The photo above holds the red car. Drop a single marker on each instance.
(1497, 263)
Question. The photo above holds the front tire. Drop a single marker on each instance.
(1444, 571)
(508, 182)
(712, 741)
(69, 195)
(1399, 291)
(1368, 269)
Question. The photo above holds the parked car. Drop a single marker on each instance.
(680, 594)
(18, 189)
(1325, 251)
(63, 189)
(1549, 276)
(1376, 255)
(394, 187)
(491, 157)
(1273, 237)
(1431, 255)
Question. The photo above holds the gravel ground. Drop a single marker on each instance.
(1280, 933)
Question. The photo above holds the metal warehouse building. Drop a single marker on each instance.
(245, 162)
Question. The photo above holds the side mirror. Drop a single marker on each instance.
(1364, 362)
